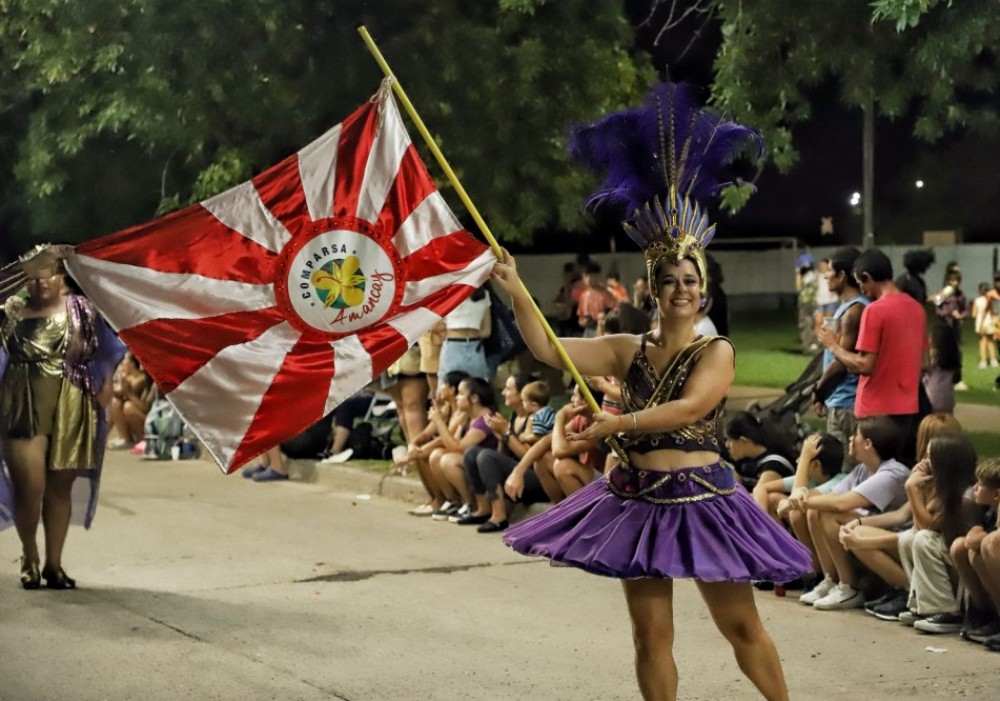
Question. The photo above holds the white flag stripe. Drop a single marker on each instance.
(130, 295)
(208, 403)
(242, 211)
(387, 151)
(317, 168)
(352, 370)
(431, 219)
(474, 274)
(415, 323)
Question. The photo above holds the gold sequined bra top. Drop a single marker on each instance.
(644, 387)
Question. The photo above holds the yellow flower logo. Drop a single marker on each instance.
(340, 283)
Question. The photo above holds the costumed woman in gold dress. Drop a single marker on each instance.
(56, 359)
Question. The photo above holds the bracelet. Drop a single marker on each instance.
(859, 520)
(619, 424)
(635, 423)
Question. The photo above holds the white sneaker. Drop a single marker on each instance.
(819, 591)
(342, 456)
(422, 510)
(399, 453)
(994, 363)
(961, 387)
(982, 364)
(843, 596)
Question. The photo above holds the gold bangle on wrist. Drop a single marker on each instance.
(635, 422)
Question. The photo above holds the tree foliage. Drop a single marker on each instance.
(117, 110)
(941, 72)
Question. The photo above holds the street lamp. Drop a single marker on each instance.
(855, 199)
(919, 184)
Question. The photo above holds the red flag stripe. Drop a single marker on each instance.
(410, 187)
(280, 190)
(291, 403)
(357, 133)
(171, 350)
(444, 254)
(384, 344)
(191, 241)
(220, 400)
(479, 269)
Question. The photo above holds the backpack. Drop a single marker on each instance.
(164, 429)
(366, 445)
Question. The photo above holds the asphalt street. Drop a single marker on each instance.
(199, 586)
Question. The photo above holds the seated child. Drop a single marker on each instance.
(759, 449)
(576, 462)
(817, 471)
(977, 558)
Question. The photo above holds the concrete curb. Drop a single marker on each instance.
(359, 480)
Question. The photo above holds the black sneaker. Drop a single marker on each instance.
(890, 610)
(940, 623)
(884, 599)
(470, 519)
(763, 585)
(979, 634)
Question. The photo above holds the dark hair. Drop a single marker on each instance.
(842, 261)
(953, 466)
(884, 435)
(454, 378)
(612, 275)
(628, 319)
(874, 264)
(593, 268)
(918, 260)
(522, 379)
(480, 388)
(830, 456)
(480, 292)
(569, 268)
(762, 432)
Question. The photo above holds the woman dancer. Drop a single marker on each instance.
(59, 356)
(672, 510)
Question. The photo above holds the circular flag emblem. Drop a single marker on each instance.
(339, 281)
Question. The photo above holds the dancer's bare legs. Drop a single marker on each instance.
(735, 614)
(651, 608)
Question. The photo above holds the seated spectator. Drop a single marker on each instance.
(815, 473)
(977, 558)
(874, 487)
(475, 401)
(760, 450)
(133, 395)
(537, 458)
(486, 469)
(423, 445)
(270, 467)
(940, 493)
(576, 463)
(876, 543)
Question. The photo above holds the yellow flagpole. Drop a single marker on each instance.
(467, 201)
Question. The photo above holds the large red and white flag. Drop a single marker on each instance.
(261, 309)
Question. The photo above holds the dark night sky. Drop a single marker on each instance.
(958, 193)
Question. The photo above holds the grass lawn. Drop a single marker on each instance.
(767, 355)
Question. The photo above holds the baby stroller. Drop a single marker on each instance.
(786, 411)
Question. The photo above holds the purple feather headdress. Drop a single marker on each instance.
(662, 162)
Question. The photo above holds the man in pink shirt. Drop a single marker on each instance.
(891, 350)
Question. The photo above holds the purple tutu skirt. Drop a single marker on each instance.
(693, 523)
